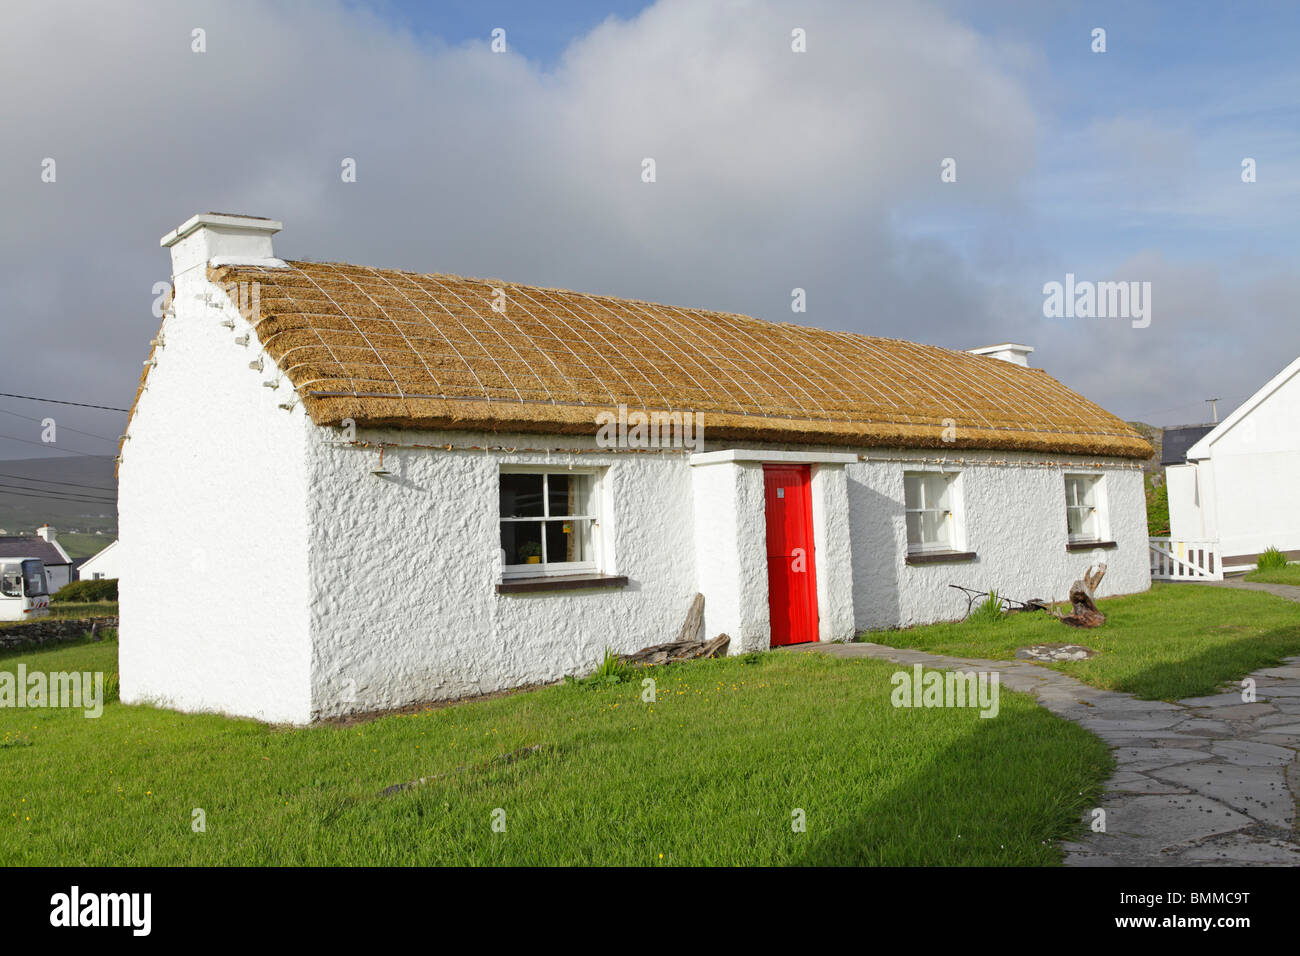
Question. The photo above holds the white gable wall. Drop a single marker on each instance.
(213, 526)
(1255, 468)
(103, 565)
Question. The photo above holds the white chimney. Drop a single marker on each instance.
(1007, 352)
(45, 533)
(243, 240)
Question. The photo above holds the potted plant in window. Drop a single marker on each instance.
(531, 552)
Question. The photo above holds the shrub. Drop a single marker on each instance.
(105, 589)
(990, 609)
(1271, 559)
(611, 670)
(1157, 509)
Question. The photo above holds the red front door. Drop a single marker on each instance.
(791, 572)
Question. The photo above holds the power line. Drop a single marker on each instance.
(54, 492)
(51, 481)
(59, 401)
(78, 501)
(67, 428)
(53, 447)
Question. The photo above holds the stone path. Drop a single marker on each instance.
(1205, 781)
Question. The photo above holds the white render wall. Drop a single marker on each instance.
(833, 551)
(1252, 477)
(212, 503)
(1013, 518)
(404, 570)
(731, 553)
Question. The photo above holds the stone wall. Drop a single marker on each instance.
(50, 631)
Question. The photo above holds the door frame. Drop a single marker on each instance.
(812, 623)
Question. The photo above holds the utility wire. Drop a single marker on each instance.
(67, 428)
(78, 501)
(58, 401)
(51, 481)
(53, 447)
(55, 491)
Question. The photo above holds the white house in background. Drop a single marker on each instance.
(102, 565)
(386, 487)
(44, 546)
(1238, 489)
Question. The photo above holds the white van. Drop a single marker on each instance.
(24, 589)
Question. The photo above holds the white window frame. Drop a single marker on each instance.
(596, 500)
(1101, 525)
(953, 517)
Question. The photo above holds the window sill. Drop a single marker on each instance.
(939, 557)
(1090, 545)
(561, 582)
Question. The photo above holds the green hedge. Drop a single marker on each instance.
(105, 589)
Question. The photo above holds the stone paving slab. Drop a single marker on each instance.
(1207, 781)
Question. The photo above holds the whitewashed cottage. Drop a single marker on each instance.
(383, 487)
(1235, 494)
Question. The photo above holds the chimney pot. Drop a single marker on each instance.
(1007, 352)
(213, 235)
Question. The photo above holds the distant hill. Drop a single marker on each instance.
(65, 480)
(1155, 435)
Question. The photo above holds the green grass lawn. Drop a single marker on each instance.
(82, 545)
(1287, 575)
(710, 774)
(1174, 641)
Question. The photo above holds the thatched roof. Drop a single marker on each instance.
(391, 348)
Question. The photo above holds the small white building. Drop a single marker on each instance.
(1237, 489)
(44, 546)
(380, 487)
(101, 565)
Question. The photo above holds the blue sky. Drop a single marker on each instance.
(538, 30)
(777, 170)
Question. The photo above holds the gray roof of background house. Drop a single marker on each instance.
(30, 546)
(1179, 440)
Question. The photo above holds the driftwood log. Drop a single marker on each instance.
(693, 627)
(1083, 598)
(690, 643)
(678, 651)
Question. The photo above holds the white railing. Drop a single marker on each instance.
(1176, 559)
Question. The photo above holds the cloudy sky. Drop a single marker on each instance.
(775, 170)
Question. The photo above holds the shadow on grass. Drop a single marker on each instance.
(947, 815)
(1210, 670)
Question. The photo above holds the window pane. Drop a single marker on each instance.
(569, 494)
(522, 541)
(521, 496)
(934, 528)
(1081, 522)
(568, 541)
(936, 492)
(912, 491)
(913, 529)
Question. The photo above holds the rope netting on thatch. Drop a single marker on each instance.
(385, 347)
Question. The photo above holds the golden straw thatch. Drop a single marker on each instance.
(384, 347)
